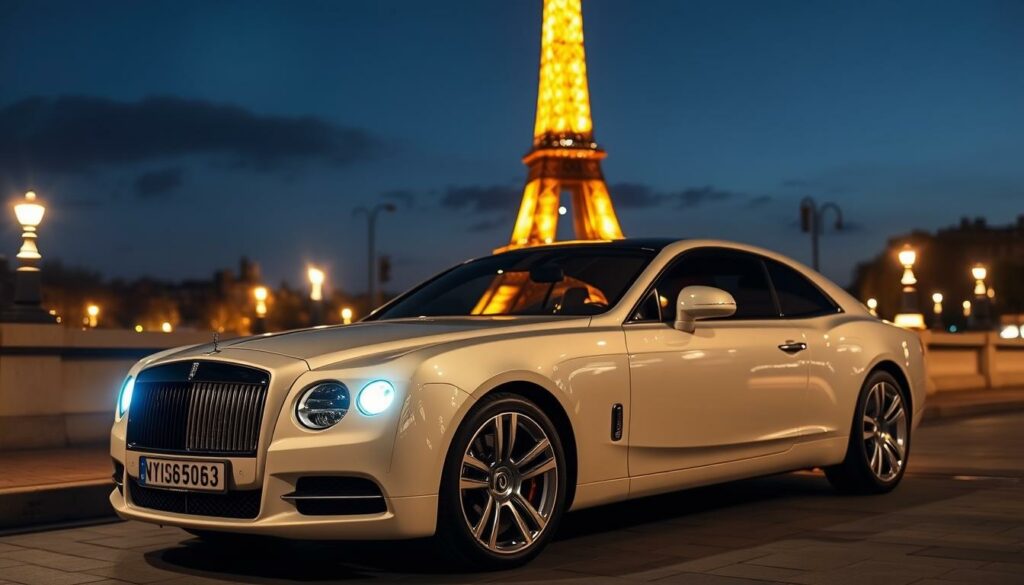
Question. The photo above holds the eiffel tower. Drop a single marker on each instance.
(564, 157)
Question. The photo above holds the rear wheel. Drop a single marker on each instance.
(876, 457)
(503, 489)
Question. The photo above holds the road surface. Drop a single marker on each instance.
(958, 517)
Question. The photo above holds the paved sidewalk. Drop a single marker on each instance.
(47, 467)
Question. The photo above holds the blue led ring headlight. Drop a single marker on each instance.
(375, 397)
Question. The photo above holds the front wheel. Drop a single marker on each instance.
(503, 489)
(876, 457)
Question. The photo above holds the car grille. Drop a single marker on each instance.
(232, 504)
(201, 408)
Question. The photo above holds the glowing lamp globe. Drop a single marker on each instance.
(907, 256)
(30, 212)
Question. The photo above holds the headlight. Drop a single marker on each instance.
(124, 398)
(375, 397)
(321, 406)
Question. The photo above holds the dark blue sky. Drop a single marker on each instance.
(172, 137)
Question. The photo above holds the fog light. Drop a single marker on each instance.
(375, 397)
(322, 405)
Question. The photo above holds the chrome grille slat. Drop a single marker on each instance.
(198, 416)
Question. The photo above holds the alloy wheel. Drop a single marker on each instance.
(508, 484)
(885, 431)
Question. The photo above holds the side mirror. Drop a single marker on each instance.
(701, 302)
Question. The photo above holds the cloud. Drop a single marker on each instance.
(482, 199)
(159, 182)
(487, 225)
(695, 196)
(75, 134)
(634, 196)
(404, 196)
(640, 196)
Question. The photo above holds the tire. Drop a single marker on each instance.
(879, 446)
(499, 510)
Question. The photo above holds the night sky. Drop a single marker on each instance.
(171, 138)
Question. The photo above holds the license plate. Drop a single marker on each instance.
(203, 476)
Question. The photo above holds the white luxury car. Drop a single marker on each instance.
(486, 402)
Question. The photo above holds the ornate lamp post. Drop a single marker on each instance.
(937, 311)
(27, 305)
(316, 293)
(260, 294)
(872, 304)
(371, 259)
(909, 316)
(812, 220)
(982, 307)
(92, 312)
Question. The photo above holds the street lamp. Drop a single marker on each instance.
(937, 310)
(27, 307)
(260, 294)
(346, 316)
(92, 316)
(371, 257)
(812, 220)
(316, 293)
(982, 308)
(872, 304)
(909, 316)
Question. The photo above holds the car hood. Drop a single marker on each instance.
(320, 346)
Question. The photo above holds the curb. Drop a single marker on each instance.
(36, 506)
(939, 411)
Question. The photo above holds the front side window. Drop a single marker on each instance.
(543, 281)
(740, 274)
(798, 297)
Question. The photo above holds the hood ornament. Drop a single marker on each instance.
(216, 342)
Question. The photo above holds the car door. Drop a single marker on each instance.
(814, 313)
(732, 390)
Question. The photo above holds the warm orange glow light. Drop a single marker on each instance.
(316, 281)
(564, 157)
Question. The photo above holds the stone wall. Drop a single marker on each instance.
(58, 385)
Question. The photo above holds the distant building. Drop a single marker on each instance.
(944, 265)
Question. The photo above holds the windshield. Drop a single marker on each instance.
(559, 281)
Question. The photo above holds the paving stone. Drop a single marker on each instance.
(36, 575)
(817, 561)
(135, 572)
(983, 576)
(54, 560)
(757, 572)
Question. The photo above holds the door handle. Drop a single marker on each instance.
(793, 346)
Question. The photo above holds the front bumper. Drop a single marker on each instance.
(403, 456)
(406, 517)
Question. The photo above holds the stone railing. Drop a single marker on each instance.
(58, 385)
(972, 361)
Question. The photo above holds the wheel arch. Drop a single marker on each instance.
(551, 406)
(893, 369)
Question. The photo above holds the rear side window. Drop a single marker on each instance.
(798, 296)
(740, 274)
